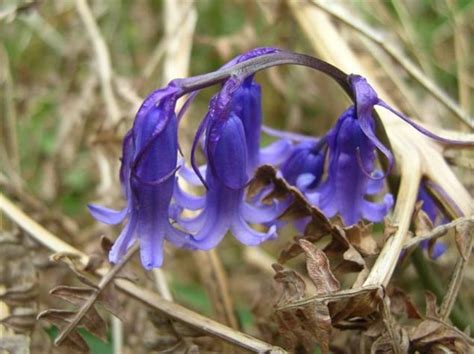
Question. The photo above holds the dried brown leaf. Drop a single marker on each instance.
(288, 326)
(432, 309)
(319, 225)
(318, 268)
(463, 233)
(432, 333)
(351, 261)
(19, 295)
(422, 221)
(79, 295)
(360, 236)
(316, 320)
(355, 308)
(72, 294)
(20, 323)
(292, 283)
(59, 318)
(389, 229)
(73, 261)
(401, 304)
(92, 321)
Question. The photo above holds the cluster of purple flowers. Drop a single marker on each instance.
(336, 172)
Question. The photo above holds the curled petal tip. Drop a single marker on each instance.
(106, 215)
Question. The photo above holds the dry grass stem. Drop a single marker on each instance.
(465, 231)
(104, 66)
(439, 231)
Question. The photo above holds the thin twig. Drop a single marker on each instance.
(104, 66)
(185, 23)
(214, 279)
(104, 282)
(389, 324)
(149, 298)
(439, 231)
(401, 58)
(117, 335)
(458, 274)
(430, 281)
(461, 51)
(8, 131)
(42, 235)
(162, 284)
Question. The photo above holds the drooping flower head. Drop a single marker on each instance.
(351, 158)
(224, 207)
(147, 176)
(351, 175)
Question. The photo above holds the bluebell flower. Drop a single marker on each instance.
(147, 172)
(351, 175)
(351, 158)
(227, 174)
(434, 214)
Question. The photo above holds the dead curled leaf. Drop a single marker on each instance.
(317, 264)
(293, 286)
(360, 236)
(401, 304)
(346, 257)
(463, 234)
(431, 333)
(59, 318)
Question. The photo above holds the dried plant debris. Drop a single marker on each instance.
(15, 344)
(18, 294)
(387, 318)
(171, 336)
(85, 299)
(345, 256)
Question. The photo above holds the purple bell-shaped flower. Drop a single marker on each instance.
(147, 175)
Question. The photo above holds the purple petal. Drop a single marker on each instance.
(193, 224)
(212, 233)
(190, 176)
(247, 106)
(366, 99)
(429, 206)
(106, 215)
(229, 152)
(304, 181)
(375, 185)
(186, 200)
(276, 152)
(284, 135)
(376, 212)
(124, 241)
(437, 249)
(151, 230)
(177, 237)
(263, 213)
(248, 236)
